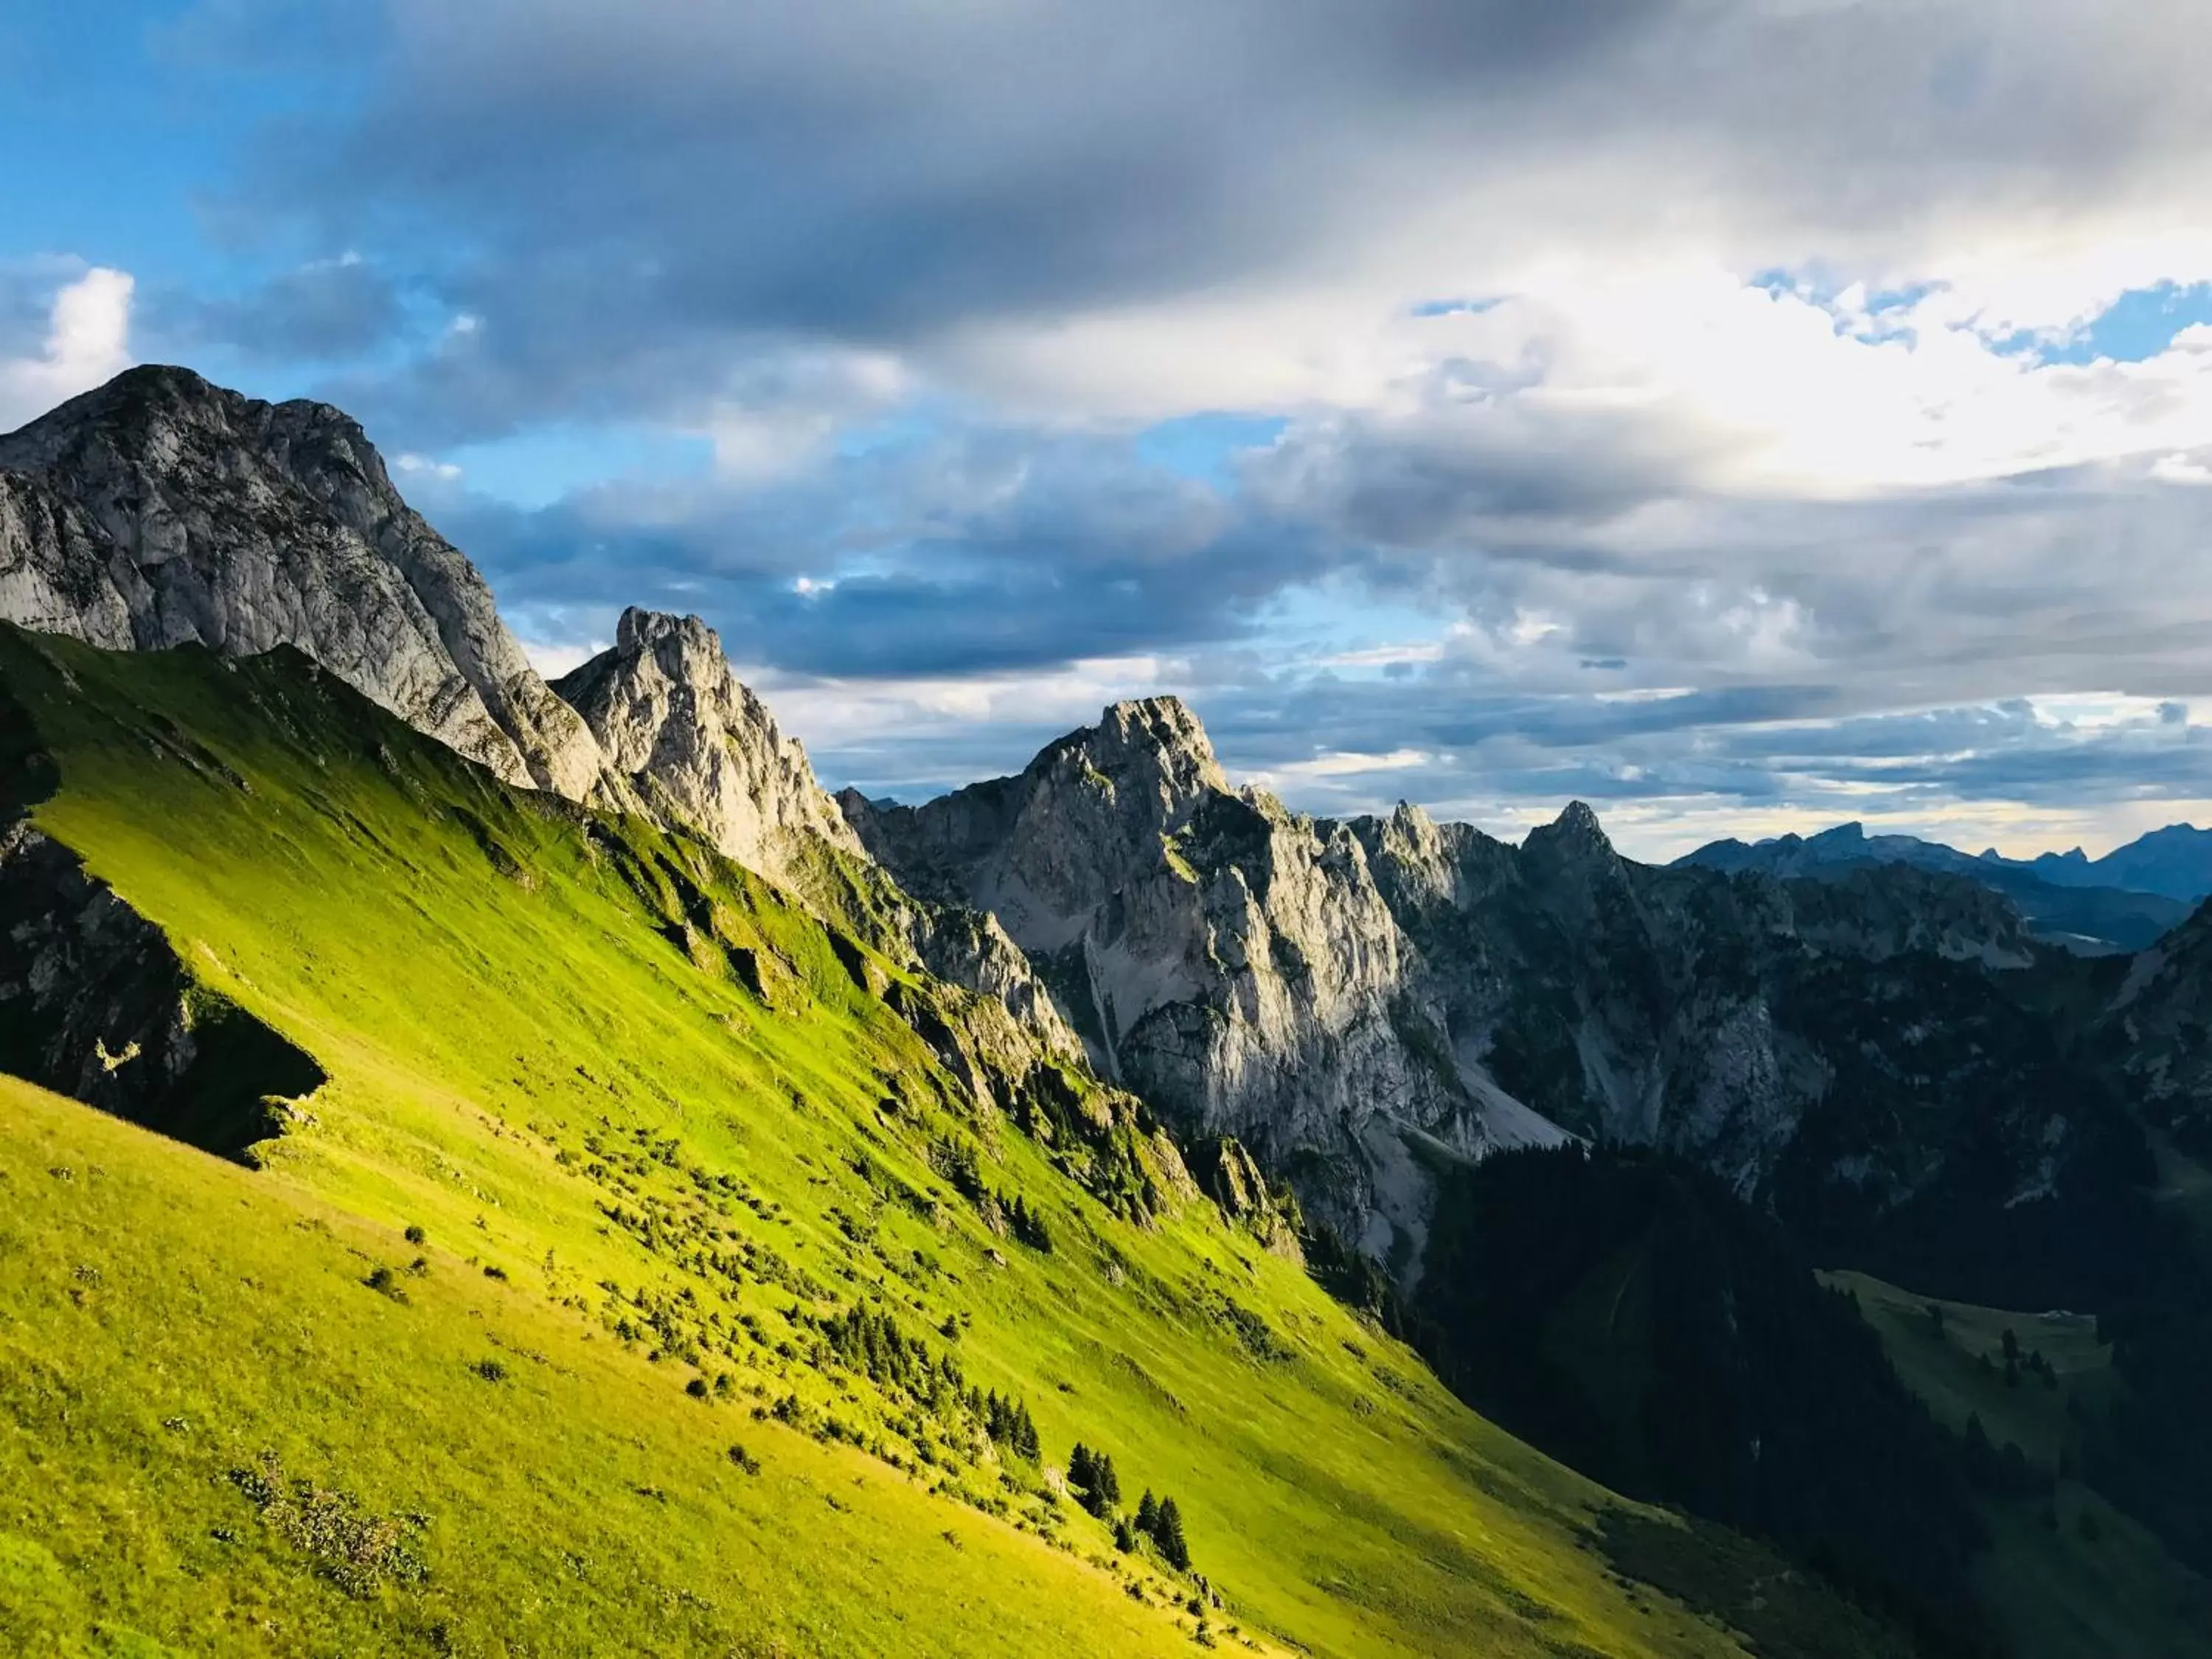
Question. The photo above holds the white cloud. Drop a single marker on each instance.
(88, 341)
(553, 659)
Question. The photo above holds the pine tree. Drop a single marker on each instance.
(1110, 1485)
(1025, 1434)
(1148, 1514)
(1125, 1536)
(1167, 1533)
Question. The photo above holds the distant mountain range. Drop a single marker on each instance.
(2175, 861)
(2121, 902)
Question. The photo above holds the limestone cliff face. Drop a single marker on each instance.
(160, 509)
(690, 743)
(1231, 961)
(699, 748)
(1751, 1024)
(1357, 1001)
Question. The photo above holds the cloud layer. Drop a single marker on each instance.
(1753, 407)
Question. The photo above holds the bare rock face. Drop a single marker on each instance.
(1362, 1003)
(1231, 961)
(687, 743)
(161, 510)
(95, 1003)
(699, 748)
(1778, 1033)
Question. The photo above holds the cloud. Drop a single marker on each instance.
(1702, 402)
(949, 552)
(87, 341)
(327, 309)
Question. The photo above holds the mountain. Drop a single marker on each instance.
(2091, 910)
(159, 510)
(693, 743)
(638, 1268)
(1231, 961)
(1367, 1004)
(2175, 861)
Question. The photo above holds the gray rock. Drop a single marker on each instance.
(1362, 1003)
(698, 748)
(692, 744)
(160, 509)
(1231, 961)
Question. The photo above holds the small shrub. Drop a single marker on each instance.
(385, 1282)
(744, 1460)
(357, 1550)
(696, 1388)
(493, 1270)
(415, 1235)
(492, 1370)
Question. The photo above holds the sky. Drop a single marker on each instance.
(1742, 414)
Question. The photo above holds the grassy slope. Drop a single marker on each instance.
(2059, 1587)
(487, 994)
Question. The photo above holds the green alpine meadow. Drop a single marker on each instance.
(1031, 829)
(636, 1279)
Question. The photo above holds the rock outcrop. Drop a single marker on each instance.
(94, 1004)
(161, 510)
(699, 748)
(693, 745)
(1231, 961)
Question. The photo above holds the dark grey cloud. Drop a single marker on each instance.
(331, 309)
(957, 552)
(629, 196)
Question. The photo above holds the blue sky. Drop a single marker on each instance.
(1745, 416)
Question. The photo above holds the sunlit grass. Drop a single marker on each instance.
(539, 1058)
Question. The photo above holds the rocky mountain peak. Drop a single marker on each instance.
(1576, 834)
(1152, 752)
(160, 510)
(694, 744)
(640, 629)
(150, 394)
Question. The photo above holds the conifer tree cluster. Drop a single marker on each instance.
(1097, 1488)
(1028, 1225)
(1161, 1521)
(1008, 1423)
